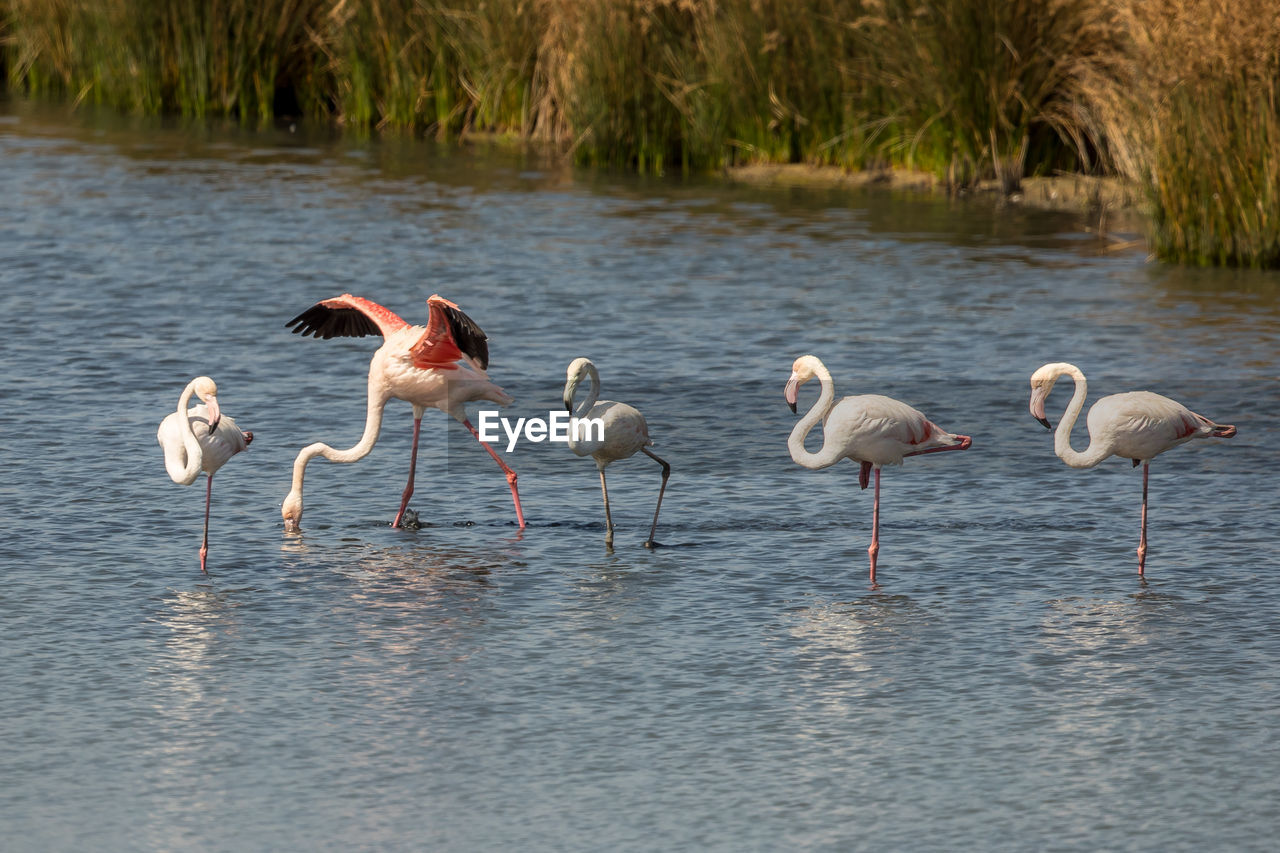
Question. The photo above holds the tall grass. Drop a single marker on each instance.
(1178, 95)
(198, 58)
(1193, 115)
(791, 83)
(636, 85)
(977, 88)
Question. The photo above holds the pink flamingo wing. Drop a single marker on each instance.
(346, 316)
(450, 335)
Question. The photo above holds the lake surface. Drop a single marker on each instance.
(1011, 684)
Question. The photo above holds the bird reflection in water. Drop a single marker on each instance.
(404, 576)
(198, 624)
(853, 628)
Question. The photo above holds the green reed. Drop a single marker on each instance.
(198, 58)
(1177, 95)
(977, 88)
(1215, 177)
(788, 75)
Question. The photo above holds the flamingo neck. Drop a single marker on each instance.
(829, 454)
(1097, 449)
(184, 466)
(372, 427)
(593, 393)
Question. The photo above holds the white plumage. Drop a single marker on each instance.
(870, 429)
(625, 432)
(1137, 425)
(199, 439)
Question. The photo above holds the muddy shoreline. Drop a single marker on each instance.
(1112, 204)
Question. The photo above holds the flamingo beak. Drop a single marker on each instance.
(215, 413)
(570, 389)
(792, 392)
(1038, 395)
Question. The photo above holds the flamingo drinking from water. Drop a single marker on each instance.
(625, 432)
(199, 439)
(440, 365)
(869, 429)
(1137, 425)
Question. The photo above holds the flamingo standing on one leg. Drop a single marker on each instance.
(200, 439)
(625, 432)
(1137, 425)
(869, 429)
(441, 366)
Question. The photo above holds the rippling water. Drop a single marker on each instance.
(1011, 685)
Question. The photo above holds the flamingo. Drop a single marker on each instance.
(1137, 425)
(869, 429)
(200, 439)
(441, 366)
(625, 432)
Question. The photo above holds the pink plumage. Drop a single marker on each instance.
(437, 366)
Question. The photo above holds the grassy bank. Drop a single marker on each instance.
(1178, 96)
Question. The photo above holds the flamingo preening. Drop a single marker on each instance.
(869, 429)
(440, 366)
(199, 439)
(1137, 425)
(625, 432)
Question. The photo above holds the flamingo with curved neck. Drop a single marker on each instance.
(204, 445)
(624, 433)
(870, 429)
(1137, 425)
(440, 366)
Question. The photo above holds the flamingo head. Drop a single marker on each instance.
(803, 369)
(577, 371)
(1041, 384)
(291, 512)
(207, 390)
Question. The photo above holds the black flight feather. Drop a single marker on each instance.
(324, 322)
(469, 337)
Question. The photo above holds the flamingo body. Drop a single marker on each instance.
(880, 430)
(1141, 424)
(625, 433)
(437, 366)
(217, 446)
(1137, 425)
(395, 374)
(199, 439)
(871, 429)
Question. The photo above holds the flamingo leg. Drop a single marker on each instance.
(413, 466)
(1142, 539)
(608, 518)
(511, 475)
(666, 472)
(204, 544)
(875, 529)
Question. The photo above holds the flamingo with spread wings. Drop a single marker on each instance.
(441, 366)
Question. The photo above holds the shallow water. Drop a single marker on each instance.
(1010, 685)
